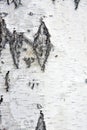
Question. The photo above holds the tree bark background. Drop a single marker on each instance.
(62, 89)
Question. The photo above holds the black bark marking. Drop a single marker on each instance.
(42, 45)
(7, 81)
(29, 61)
(1, 99)
(76, 4)
(41, 123)
(16, 43)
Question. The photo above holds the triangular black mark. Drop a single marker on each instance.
(42, 45)
(76, 4)
(5, 35)
(41, 123)
(16, 43)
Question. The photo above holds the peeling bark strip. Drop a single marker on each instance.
(41, 122)
(42, 45)
(7, 81)
(76, 3)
